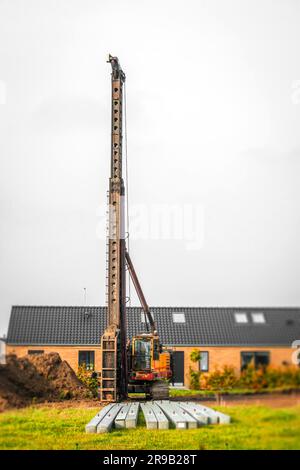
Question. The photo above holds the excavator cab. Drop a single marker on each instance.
(145, 352)
(141, 354)
(149, 367)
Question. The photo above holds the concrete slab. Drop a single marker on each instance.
(162, 420)
(196, 413)
(208, 412)
(222, 417)
(180, 418)
(132, 415)
(107, 422)
(120, 420)
(150, 416)
(91, 427)
(158, 415)
(214, 416)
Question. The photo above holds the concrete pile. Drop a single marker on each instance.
(163, 414)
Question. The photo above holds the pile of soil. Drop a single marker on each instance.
(36, 379)
(60, 374)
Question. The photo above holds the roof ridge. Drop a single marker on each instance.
(166, 306)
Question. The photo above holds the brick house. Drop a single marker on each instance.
(225, 336)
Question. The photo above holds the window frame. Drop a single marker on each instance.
(262, 315)
(254, 356)
(207, 361)
(88, 366)
(178, 314)
(244, 314)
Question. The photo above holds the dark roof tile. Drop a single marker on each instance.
(46, 325)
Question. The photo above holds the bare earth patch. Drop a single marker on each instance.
(36, 379)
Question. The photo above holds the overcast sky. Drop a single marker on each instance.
(213, 111)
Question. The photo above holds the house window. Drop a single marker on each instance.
(203, 363)
(178, 317)
(241, 317)
(87, 358)
(35, 351)
(258, 317)
(255, 359)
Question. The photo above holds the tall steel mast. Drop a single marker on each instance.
(113, 342)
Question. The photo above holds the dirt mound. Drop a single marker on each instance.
(61, 376)
(38, 378)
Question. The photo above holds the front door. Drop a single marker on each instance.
(178, 368)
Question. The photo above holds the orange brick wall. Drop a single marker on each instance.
(67, 353)
(218, 356)
(221, 356)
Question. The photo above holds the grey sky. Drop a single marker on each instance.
(213, 120)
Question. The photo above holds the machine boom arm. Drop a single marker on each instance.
(139, 292)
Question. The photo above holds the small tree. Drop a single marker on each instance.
(89, 378)
(221, 381)
(195, 357)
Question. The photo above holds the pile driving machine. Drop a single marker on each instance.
(138, 364)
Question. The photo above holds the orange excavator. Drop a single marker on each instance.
(138, 364)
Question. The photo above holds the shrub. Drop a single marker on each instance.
(262, 378)
(269, 377)
(194, 379)
(89, 379)
(221, 380)
(195, 356)
(224, 379)
(253, 378)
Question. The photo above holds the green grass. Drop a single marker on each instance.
(178, 392)
(181, 392)
(253, 427)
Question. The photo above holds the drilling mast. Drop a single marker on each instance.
(113, 380)
(149, 367)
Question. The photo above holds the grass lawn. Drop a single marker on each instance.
(179, 392)
(253, 427)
